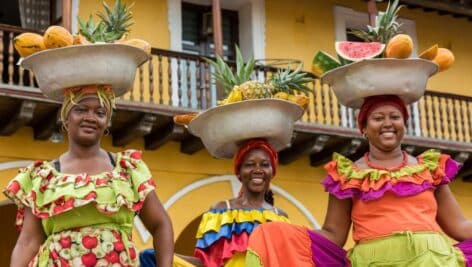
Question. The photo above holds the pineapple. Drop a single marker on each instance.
(289, 81)
(386, 25)
(239, 85)
(114, 24)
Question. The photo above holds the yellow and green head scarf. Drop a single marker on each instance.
(72, 96)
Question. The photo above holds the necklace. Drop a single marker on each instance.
(375, 166)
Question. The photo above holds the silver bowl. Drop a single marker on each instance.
(222, 129)
(71, 66)
(406, 78)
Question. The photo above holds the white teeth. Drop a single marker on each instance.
(388, 134)
(257, 181)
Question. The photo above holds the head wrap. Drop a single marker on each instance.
(72, 96)
(251, 145)
(373, 102)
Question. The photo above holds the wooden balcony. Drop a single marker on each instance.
(456, 8)
(174, 82)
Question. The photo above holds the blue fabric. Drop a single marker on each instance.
(226, 231)
(147, 258)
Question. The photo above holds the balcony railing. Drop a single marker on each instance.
(183, 81)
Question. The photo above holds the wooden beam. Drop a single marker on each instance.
(191, 145)
(23, 116)
(43, 130)
(351, 148)
(441, 6)
(67, 14)
(162, 135)
(217, 28)
(136, 130)
(313, 145)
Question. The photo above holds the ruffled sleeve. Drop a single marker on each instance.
(224, 232)
(345, 180)
(49, 193)
(19, 190)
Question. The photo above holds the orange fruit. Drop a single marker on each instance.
(429, 53)
(400, 46)
(444, 58)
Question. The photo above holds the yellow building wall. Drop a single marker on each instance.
(299, 30)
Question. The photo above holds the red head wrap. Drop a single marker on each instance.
(251, 145)
(373, 102)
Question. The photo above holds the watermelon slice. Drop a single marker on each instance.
(323, 62)
(349, 52)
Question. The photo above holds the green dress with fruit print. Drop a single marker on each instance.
(87, 219)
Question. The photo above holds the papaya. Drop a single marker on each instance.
(57, 36)
(429, 53)
(400, 46)
(79, 39)
(444, 58)
(138, 43)
(28, 43)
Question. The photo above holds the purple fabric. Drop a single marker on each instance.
(325, 253)
(401, 189)
(466, 249)
(451, 169)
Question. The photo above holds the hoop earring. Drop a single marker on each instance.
(107, 132)
(64, 128)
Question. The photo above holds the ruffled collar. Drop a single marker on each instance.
(346, 180)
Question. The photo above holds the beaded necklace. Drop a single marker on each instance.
(375, 166)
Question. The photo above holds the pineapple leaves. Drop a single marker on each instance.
(114, 23)
(285, 80)
(386, 25)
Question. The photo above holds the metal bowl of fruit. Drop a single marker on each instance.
(71, 66)
(223, 128)
(406, 78)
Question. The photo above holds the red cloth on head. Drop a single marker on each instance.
(373, 102)
(255, 144)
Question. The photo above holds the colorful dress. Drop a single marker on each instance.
(223, 234)
(393, 215)
(88, 219)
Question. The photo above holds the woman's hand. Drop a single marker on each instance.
(30, 239)
(450, 217)
(338, 220)
(158, 223)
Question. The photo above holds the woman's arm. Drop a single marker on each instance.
(450, 217)
(338, 220)
(158, 223)
(30, 239)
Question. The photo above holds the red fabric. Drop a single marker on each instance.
(255, 144)
(222, 250)
(373, 102)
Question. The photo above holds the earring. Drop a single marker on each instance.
(64, 128)
(107, 132)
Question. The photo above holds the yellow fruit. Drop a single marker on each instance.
(28, 43)
(79, 39)
(301, 100)
(444, 58)
(281, 95)
(235, 96)
(57, 36)
(400, 46)
(138, 43)
(429, 53)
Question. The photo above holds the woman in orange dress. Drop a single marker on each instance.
(400, 207)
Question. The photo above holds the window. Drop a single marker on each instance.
(197, 30)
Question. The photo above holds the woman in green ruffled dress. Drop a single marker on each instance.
(78, 210)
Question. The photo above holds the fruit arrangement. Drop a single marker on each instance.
(383, 40)
(285, 84)
(113, 28)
